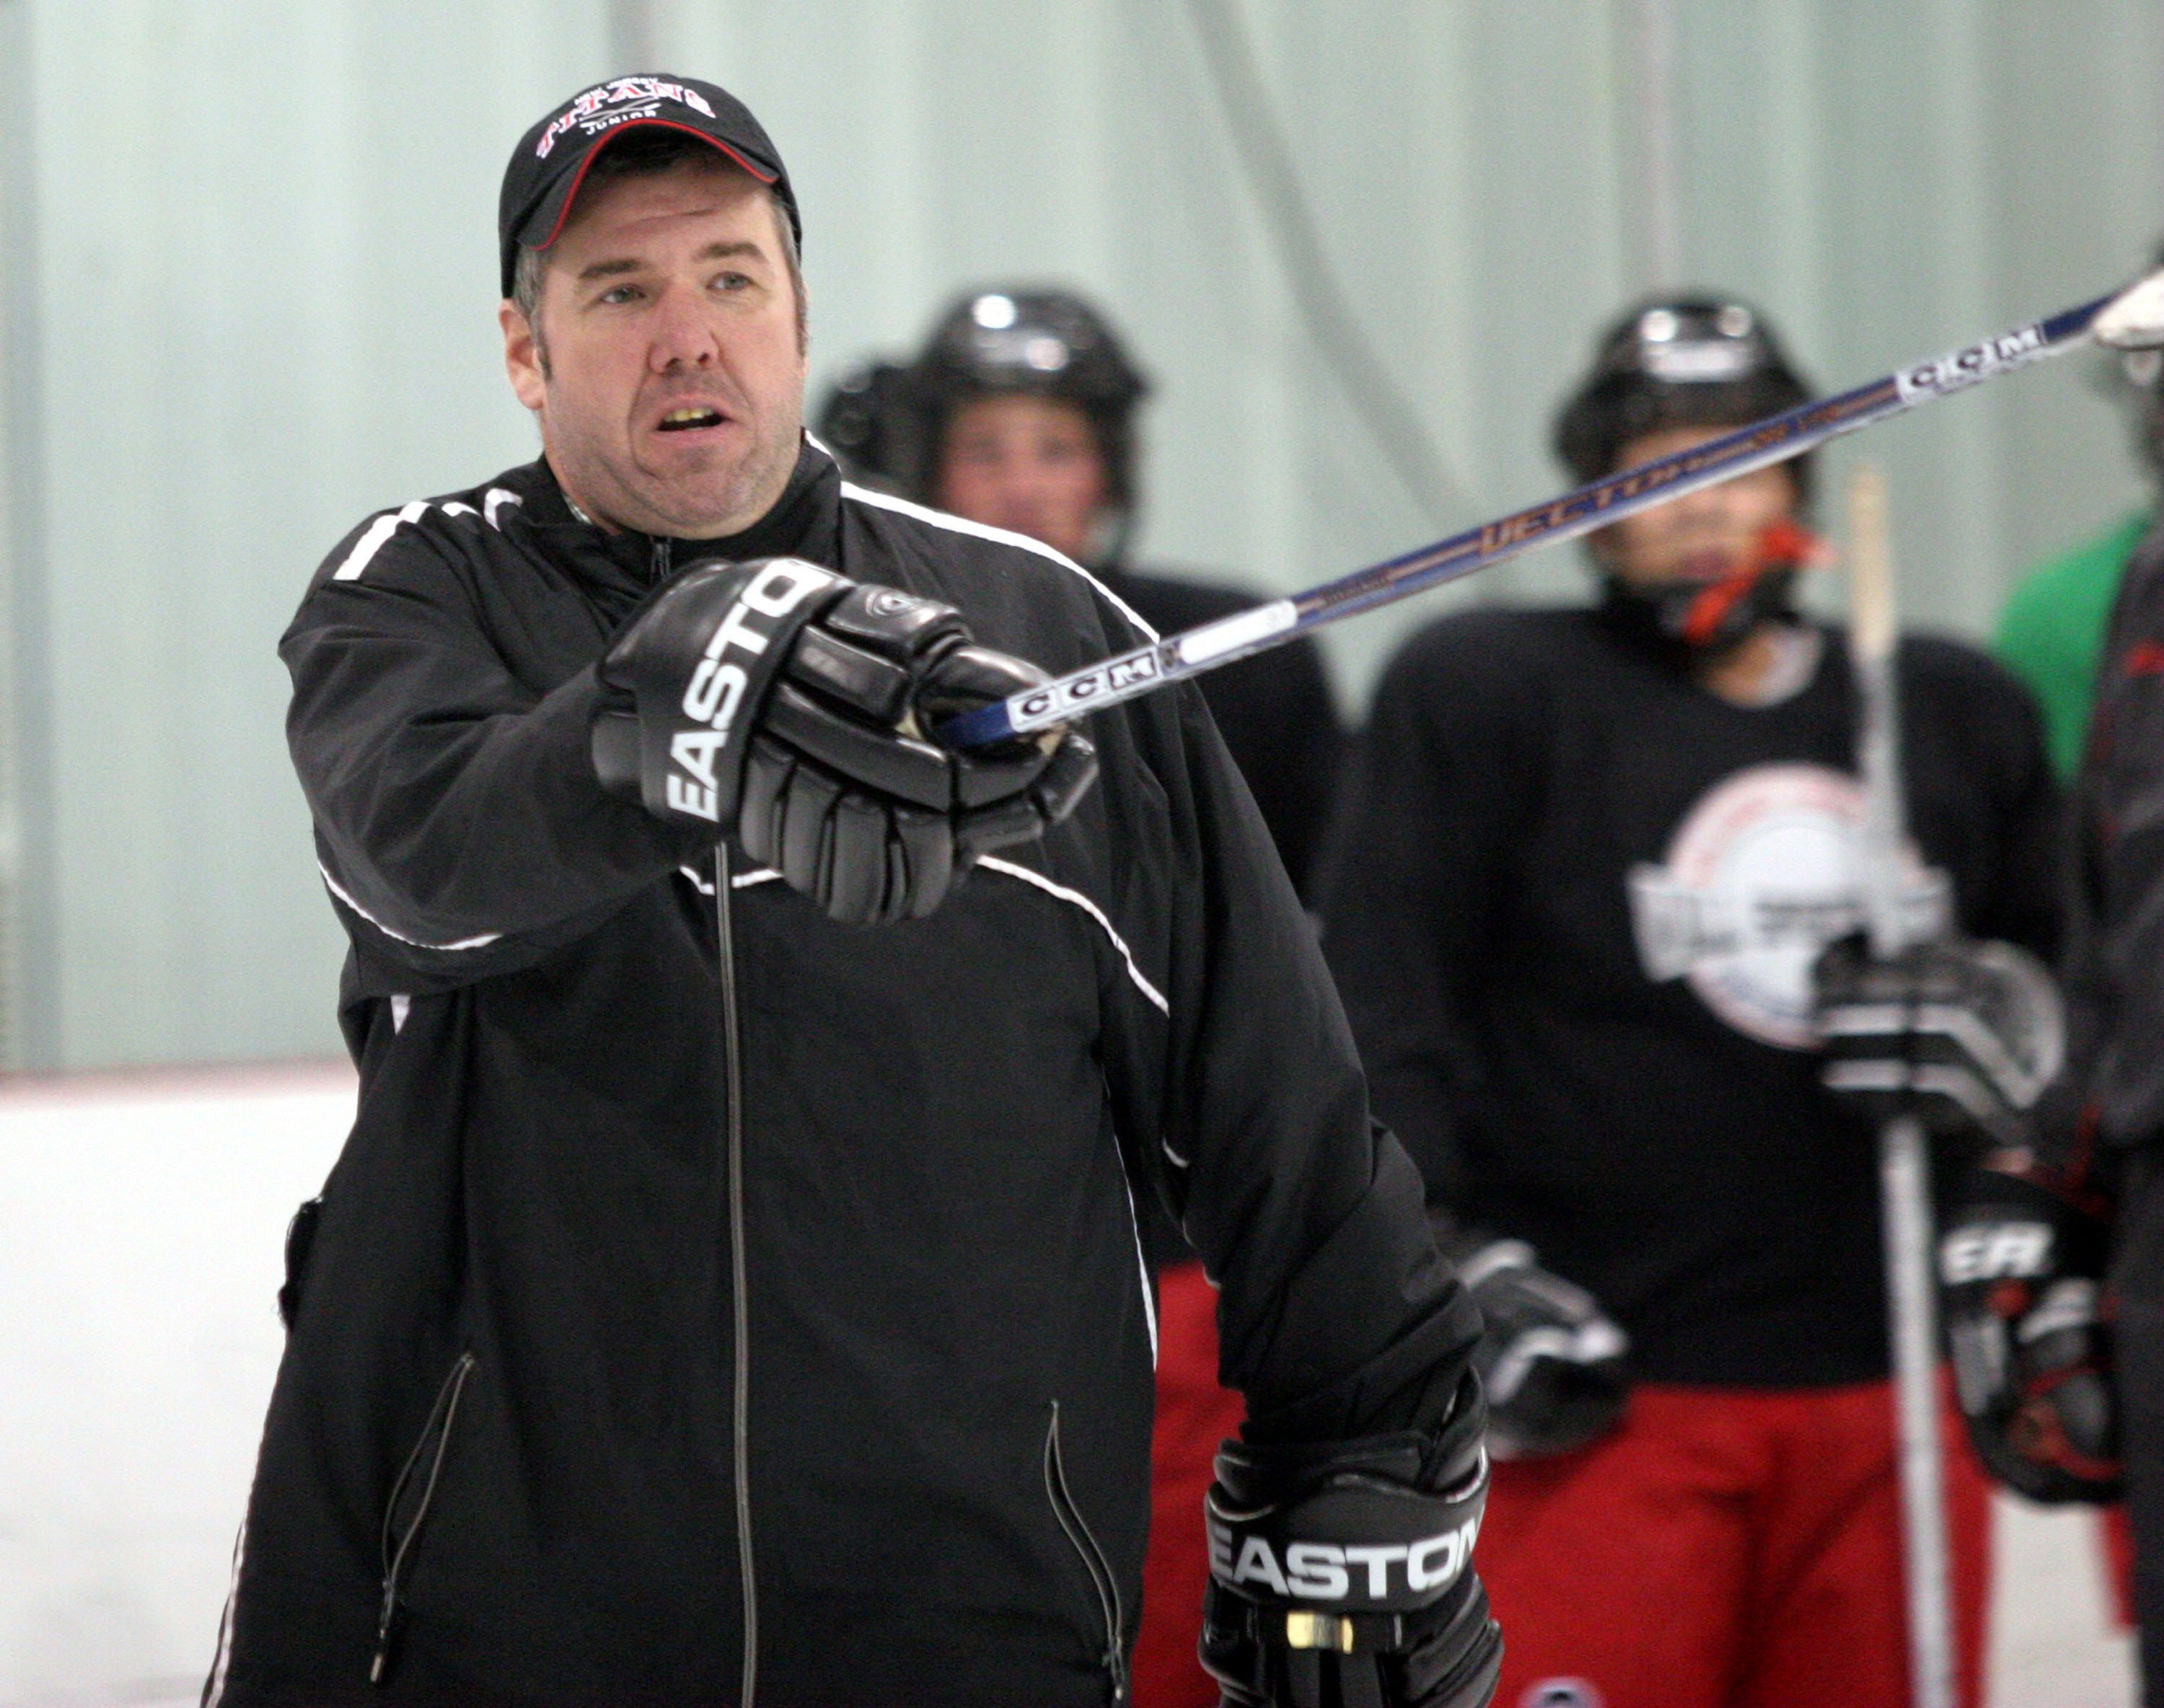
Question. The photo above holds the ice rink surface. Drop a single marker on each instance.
(142, 1219)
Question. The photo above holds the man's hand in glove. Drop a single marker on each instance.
(2021, 1265)
(1549, 1358)
(1341, 1574)
(1964, 1034)
(793, 706)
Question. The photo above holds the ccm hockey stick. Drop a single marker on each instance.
(1904, 1156)
(2131, 319)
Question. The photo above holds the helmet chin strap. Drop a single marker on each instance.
(1780, 545)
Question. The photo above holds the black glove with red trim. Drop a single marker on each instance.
(1341, 1575)
(792, 706)
(2021, 1265)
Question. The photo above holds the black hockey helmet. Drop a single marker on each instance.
(1692, 360)
(887, 421)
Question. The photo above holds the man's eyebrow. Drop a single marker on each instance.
(712, 252)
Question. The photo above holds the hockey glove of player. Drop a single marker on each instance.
(1549, 1359)
(792, 705)
(1341, 1575)
(2021, 1266)
(1964, 1034)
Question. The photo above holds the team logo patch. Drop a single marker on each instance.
(1760, 876)
(601, 107)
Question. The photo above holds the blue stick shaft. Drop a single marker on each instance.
(1608, 500)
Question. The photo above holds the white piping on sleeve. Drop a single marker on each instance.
(992, 863)
(757, 875)
(332, 885)
(365, 548)
(957, 524)
(495, 499)
(401, 1006)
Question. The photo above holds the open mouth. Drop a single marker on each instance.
(691, 417)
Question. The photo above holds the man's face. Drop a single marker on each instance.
(666, 366)
(1702, 536)
(1029, 464)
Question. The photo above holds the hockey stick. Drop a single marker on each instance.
(2133, 318)
(1904, 1157)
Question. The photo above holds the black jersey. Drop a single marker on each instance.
(1573, 907)
(1274, 711)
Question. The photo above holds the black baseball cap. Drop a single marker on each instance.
(551, 160)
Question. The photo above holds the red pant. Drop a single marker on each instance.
(1725, 1548)
(1194, 1414)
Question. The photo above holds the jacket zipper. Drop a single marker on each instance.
(441, 1416)
(740, 1302)
(1085, 1541)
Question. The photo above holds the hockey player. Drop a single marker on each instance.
(1019, 413)
(1587, 861)
(729, 1290)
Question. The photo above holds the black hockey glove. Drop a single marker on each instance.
(792, 705)
(1964, 1034)
(1550, 1359)
(2021, 1267)
(1340, 1576)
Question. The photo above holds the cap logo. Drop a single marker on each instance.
(596, 105)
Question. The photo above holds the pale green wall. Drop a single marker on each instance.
(264, 289)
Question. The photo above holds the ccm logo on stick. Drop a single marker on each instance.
(1322, 1571)
(716, 688)
(2018, 1248)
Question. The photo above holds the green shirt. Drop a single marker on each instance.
(2053, 629)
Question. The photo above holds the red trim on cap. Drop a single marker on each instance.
(594, 154)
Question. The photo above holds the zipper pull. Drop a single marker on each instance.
(661, 562)
(383, 1623)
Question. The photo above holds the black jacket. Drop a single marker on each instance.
(511, 1376)
(1573, 908)
(2113, 1088)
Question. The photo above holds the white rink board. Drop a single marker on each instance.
(142, 1221)
(142, 1228)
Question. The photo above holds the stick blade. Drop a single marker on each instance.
(2134, 318)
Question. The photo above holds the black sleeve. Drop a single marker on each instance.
(1338, 1317)
(2110, 1096)
(459, 823)
(1444, 785)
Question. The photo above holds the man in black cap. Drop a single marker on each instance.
(729, 1292)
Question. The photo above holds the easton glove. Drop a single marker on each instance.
(792, 705)
(2021, 1267)
(1550, 1360)
(1341, 1575)
(1964, 1034)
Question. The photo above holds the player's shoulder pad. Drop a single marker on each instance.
(1489, 651)
(1940, 664)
